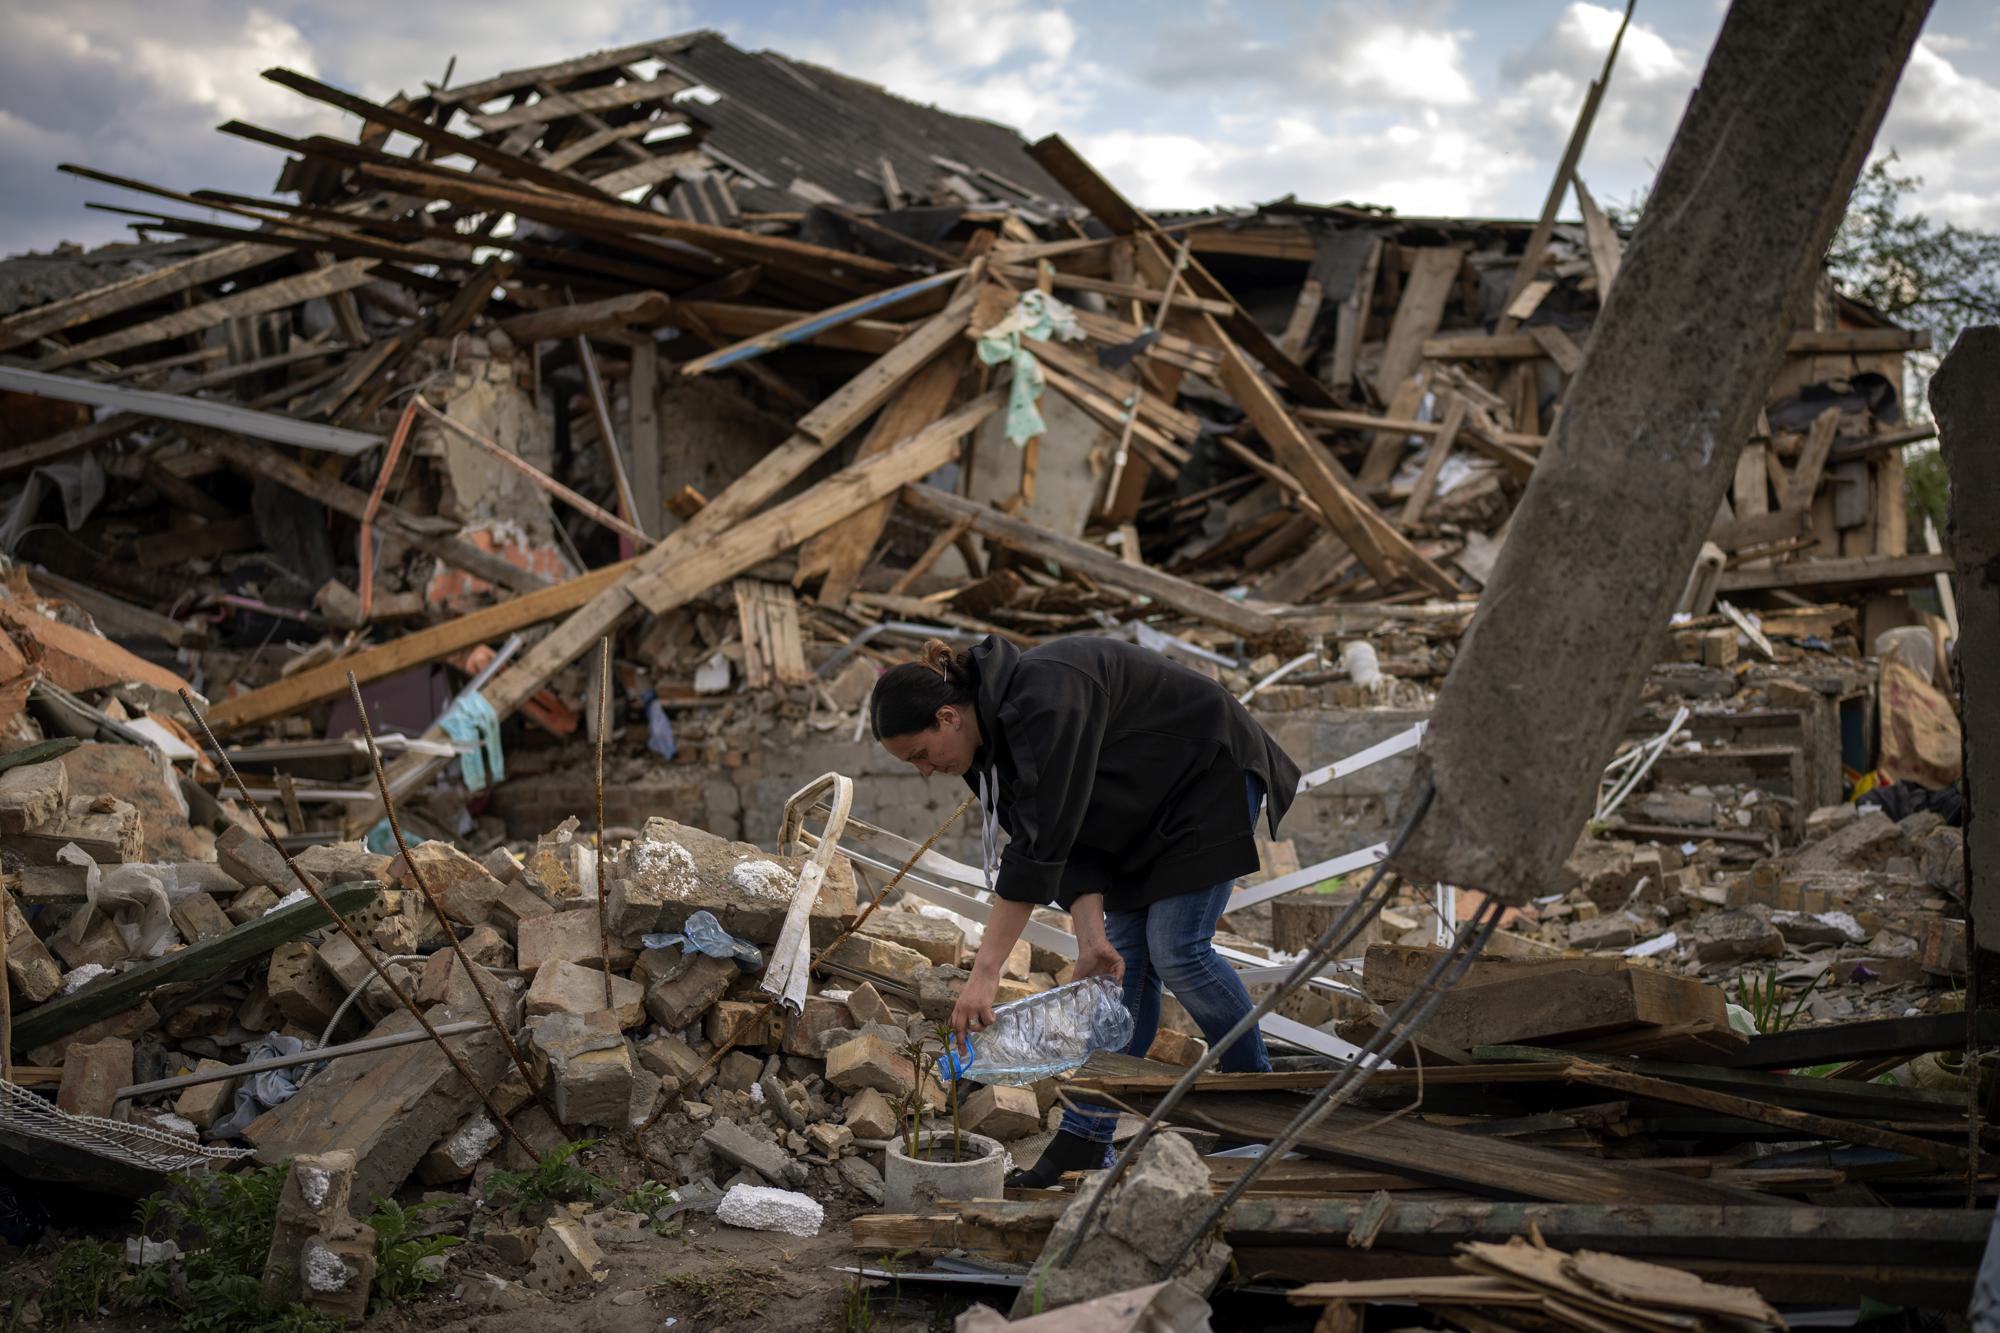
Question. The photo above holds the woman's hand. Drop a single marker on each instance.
(1094, 955)
(974, 1010)
(1103, 961)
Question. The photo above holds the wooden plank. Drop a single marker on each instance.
(488, 624)
(1386, 553)
(1805, 1123)
(604, 97)
(1805, 342)
(1427, 479)
(1562, 348)
(1418, 314)
(833, 267)
(1093, 561)
(1607, 250)
(643, 393)
(591, 318)
(279, 295)
(1803, 481)
(1305, 313)
(1474, 1163)
(1750, 492)
(141, 289)
(1746, 531)
(1084, 183)
(1864, 1040)
(1385, 450)
(652, 171)
(842, 550)
(251, 940)
(260, 461)
(729, 319)
(1351, 322)
(778, 529)
(803, 327)
(114, 615)
(490, 156)
(1860, 571)
(558, 72)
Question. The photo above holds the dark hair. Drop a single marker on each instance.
(907, 697)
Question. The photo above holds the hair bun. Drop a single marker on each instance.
(937, 656)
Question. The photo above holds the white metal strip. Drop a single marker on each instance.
(1312, 874)
(1374, 754)
(1295, 1033)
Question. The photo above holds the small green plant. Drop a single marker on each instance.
(222, 1223)
(957, 1148)
(1330, 885)
(555, 1179)
(1771, 1008)
(400, 1270)
(650, 1198)
(87, 1274)
(857, 1313)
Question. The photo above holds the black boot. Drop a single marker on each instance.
(1066, 1152)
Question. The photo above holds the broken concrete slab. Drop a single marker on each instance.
(454, 1156)
(386, 1107)
(938, 941)
(867, 1061)
(32, 796)
(321, 1257)
(687, 987)
(869, 1115)
(881, 958)
(92, 1073)
(1139, 1229)
(566, 988)
(588, 1070)
(672, 871)
(1727, 937)
(803, 1030)
(566, 1257)
(31, 969)
(565, 937)
(733, 1144)
(673, 1059)
(205, 1103)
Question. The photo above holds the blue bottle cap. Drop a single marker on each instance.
(953, 1063)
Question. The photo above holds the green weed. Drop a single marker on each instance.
(1771, 1008)
(555, 1179)
(400, 1270)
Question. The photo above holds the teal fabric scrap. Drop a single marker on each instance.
(1036, 317)
(470, 718)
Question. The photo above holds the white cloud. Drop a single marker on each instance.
(1944, 125)
(1011, 61)
(1350, 54)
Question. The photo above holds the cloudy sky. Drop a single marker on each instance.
(1427, 106)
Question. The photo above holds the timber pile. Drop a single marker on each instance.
(638, 330)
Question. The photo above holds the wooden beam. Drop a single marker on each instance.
(1853, 571)
(1427, 479)
(1607, 250)
(1803, 480)
(445, 141)
(251, 940)
(1417, 317)
(1094, 561)
(142, 289)
(561, 71)
(643, 392)
(591, 318)
(1385, 552)
(279, 295)
(1083, 182)
(1805, 342)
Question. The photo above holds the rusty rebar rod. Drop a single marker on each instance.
(444, 922)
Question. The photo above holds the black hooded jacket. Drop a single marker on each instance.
(1119, 772)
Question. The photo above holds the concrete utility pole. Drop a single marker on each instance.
(1751, 190)
(1965, 399)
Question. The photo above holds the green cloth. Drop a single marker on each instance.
(1036, 317)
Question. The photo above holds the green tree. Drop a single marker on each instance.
(1929, 275)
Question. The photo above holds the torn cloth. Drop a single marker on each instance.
(471, 719)
(1036, 317)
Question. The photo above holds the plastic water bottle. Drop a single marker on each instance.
(1050, 1033)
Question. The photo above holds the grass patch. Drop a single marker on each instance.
(738, 1289)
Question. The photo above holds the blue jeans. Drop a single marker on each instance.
(1172, 941)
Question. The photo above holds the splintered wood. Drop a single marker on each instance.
(768, 615)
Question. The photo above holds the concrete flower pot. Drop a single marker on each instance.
(912, 1183)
